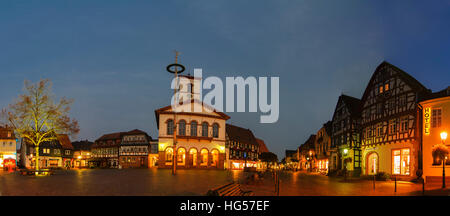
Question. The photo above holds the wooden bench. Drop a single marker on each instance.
(231, 189)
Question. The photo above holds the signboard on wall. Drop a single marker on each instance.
(426, 120)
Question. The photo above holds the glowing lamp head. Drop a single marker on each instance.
(79, 157)
(345, 151)
(443, 136)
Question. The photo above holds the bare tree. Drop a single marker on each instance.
(37, 118)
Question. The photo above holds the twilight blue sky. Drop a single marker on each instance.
(110, 56)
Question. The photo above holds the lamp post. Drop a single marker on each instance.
(176, 66)
(443, 138)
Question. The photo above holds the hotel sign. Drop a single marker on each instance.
(426, 120)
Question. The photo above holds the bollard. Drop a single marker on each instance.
(374, 182)
(423, 187)
(276, 181)
(278, 187)
(395, 190)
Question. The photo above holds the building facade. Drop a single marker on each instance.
(346, 140)
(390, 142)
(242, 146)
(82, 153)
(50, 154)
(105, 151)
(134, 149)
(322, 147)
(435, 120)
(200, 138)
(8, 154)
(306, 154)
(66, 151)
(153, 155)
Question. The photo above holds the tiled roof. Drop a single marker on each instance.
(64, 140)
(443, 93)
(262, 146)
(5, 131)
(291, 153)
(111, 136)
(353, 104)
(82, 145)
(243, 135)
(410, 80)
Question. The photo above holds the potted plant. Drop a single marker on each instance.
(441, 152)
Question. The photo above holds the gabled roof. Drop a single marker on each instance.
(442, 93)
(411, 81)
(111, 136)
(309, 144)
(353, 105)
(262, 146)
(328, 128)
(82, 145)
(137, 132)
(291, 153)
(167, 108)
(5, 131)
(239, 134)
(64, 140)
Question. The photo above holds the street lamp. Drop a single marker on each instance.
(176, 66)
(345, 151)
(443, 138)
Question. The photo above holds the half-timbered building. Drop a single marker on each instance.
(243, 147)
(134, 149)
(322, 147)
(390, 142)
(346, 140)
(105, 151)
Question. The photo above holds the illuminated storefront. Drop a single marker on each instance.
(239, 165)
(7, 147)
(401, 161)
(436, 120)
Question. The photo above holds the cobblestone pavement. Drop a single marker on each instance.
(304, 184)
(154, 182)
(113, 182)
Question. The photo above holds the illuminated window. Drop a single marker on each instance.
(204, 157)
(436, 118)
(401, 160)
(181, 156)
(170, 127)
(193, 153)
(193, 128)
(372, 161)
(215, 130)
(381, 89)
(386, 87)
(205, 129)
(169, 155)
(404, 124)
(215, 157)
(182, 129)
